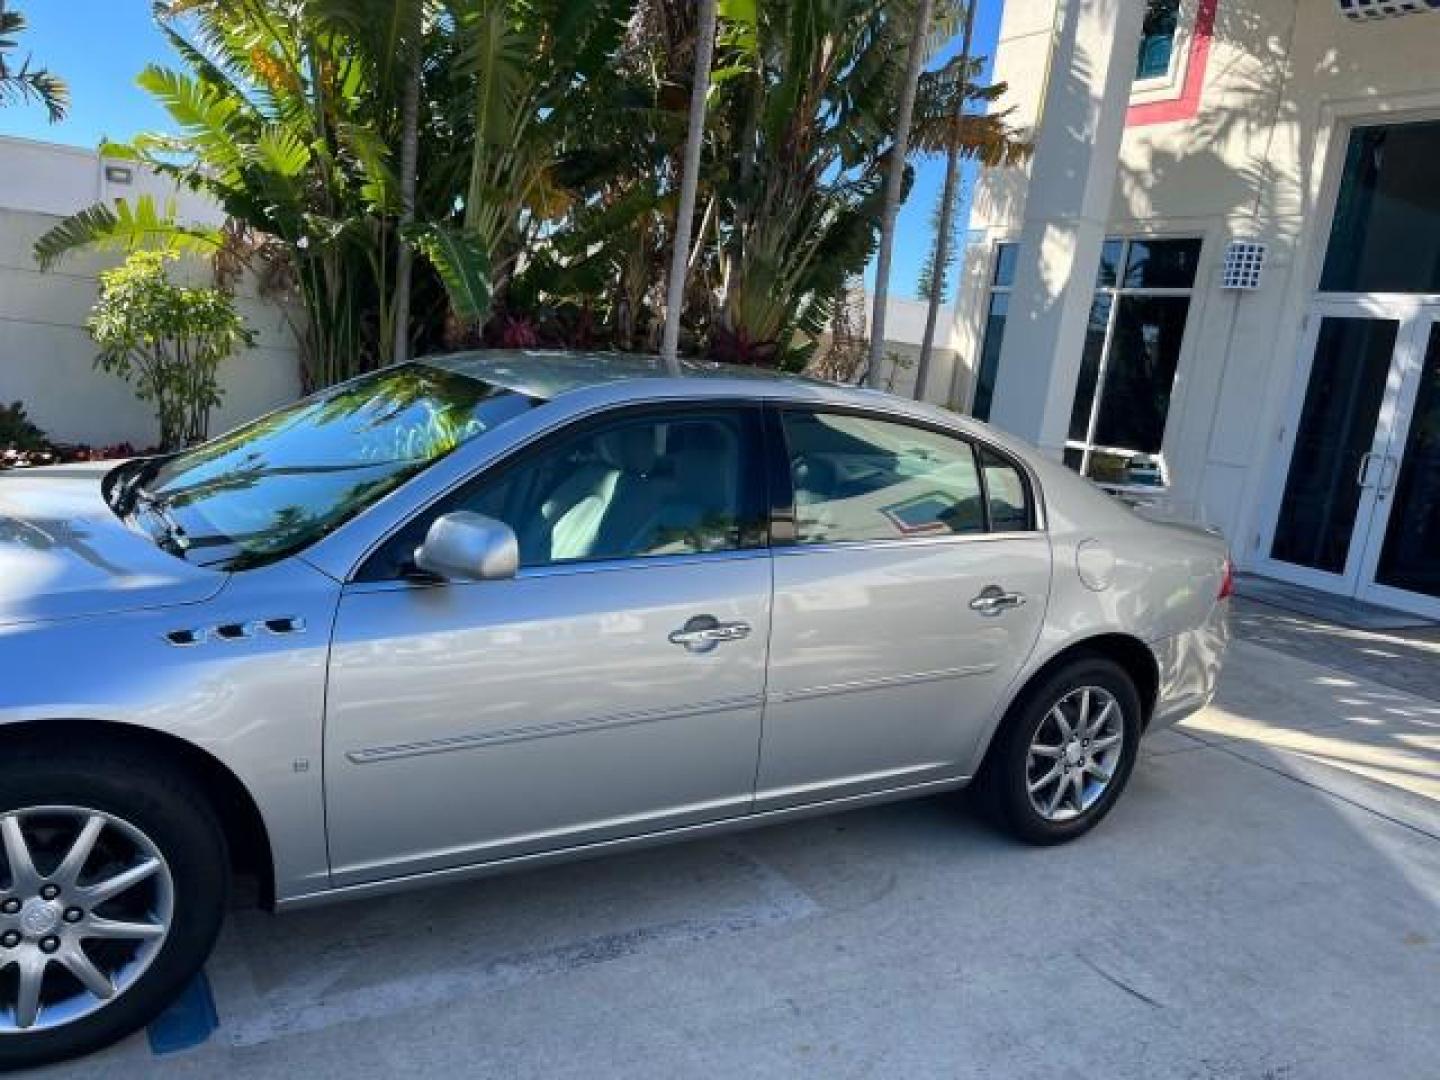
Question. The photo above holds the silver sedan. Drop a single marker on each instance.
(492, 610)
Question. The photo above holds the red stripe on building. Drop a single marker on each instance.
(1188, 103)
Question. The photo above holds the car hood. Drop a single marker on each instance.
(64, 554)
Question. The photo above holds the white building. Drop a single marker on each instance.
(1218, 280)
(46, 355)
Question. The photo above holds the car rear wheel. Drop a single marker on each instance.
(113, 879)
(1066, 752)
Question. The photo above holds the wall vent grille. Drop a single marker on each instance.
(1367, 10)
(1244, 266)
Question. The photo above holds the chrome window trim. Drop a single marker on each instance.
(908, 542)
(569, 569)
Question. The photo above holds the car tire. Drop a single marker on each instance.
(140, 810)
(1024, 753)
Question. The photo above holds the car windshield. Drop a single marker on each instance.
(278, 484)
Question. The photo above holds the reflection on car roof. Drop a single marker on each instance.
(548, 373)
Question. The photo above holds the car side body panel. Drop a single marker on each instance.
(474, 721)
(880, 671)
(254, 701)
(1117, 573)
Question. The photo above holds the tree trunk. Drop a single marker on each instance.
(409, 165)
(689, 182)
(947, 216)
(894, 182)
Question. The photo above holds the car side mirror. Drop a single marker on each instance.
(464, 546)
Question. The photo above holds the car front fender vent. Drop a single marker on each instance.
(237, 631)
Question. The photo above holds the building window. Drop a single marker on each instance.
(1127, 370)
(1001, 280)
(1157, 39)
(1386, 233)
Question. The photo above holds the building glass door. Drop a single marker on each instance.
(1333, 451)
(1359, 509)
(1359, 513)
(1403, 565)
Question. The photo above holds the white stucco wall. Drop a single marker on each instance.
(46, 356)
(1284, 81)
(904, 333)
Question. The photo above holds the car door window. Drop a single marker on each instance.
(1005, 493)
(860, 478)
(633, 486)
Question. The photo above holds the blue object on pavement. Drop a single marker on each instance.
(188, 1022)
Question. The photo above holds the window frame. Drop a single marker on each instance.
(1167, 87)
(993, 288)
(783, 538)
(1341, 138)
(1116, 292)
(370, 572)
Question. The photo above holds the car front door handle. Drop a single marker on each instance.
(704, 632)
(994, 600)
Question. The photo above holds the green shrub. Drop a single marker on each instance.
(167, 340)
(18, 431)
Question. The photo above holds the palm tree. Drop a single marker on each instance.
(808, 96)
(940, 258)
(680, 246)
(894, 181)
(287, 110)
(410, 15)
(24, 83)
(943, 124)
(280, 125)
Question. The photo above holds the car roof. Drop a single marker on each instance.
(607, 378)
(546, 374)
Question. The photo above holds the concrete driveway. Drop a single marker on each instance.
(1265, 902)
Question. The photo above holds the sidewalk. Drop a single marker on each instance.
(1404, 655)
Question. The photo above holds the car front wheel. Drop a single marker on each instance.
(1066, 752)
(113, 878)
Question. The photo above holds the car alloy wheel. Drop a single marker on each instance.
(1075, 753)
(86, 905)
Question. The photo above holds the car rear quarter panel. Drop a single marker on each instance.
(1143, 580)
(255, 704)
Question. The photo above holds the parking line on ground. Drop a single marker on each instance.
(320, 1001)
(187, 1023)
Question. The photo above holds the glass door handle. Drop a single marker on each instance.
(1363, 478)
(1389, 473)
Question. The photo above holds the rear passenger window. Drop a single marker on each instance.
(858, 478)
(1005, 489)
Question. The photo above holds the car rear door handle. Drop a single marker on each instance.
(994, 600)
(704, 632)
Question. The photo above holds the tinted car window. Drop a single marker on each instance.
(859, 478)
(644, 485)
(1005, 494)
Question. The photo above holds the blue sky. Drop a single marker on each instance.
(99, 46)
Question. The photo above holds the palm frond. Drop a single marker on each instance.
(125, 227)
(463, 265)
(27, 83)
